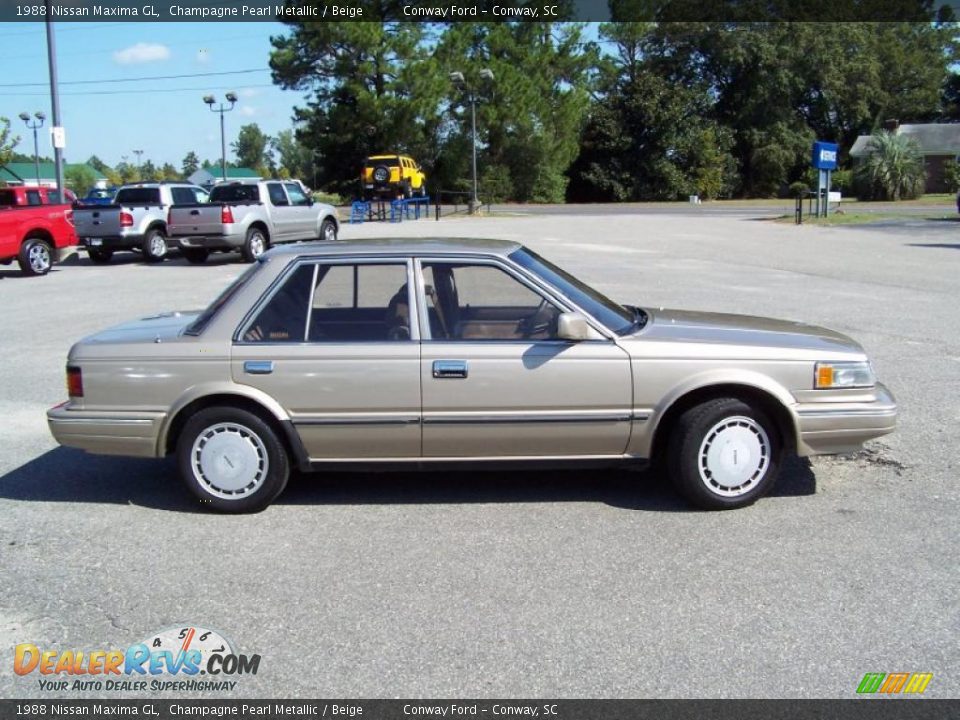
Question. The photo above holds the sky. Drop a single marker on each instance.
(165, 118)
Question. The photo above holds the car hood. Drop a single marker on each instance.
(744, 331)
(152, 329)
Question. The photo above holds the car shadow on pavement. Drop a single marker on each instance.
(949, 246)
(66, 475)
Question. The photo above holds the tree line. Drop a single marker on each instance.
(637, 111)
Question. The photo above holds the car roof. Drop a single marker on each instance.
(400, 246)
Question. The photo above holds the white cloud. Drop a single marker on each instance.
(248, 92)
(141, 53)
(203, 56)
(248, 110)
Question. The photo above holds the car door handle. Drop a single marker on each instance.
(449, 368)
(258, 367)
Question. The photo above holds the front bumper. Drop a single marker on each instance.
(830, 428)
(106, 433)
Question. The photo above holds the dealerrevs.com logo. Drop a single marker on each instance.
(894, 683)
(189, 658)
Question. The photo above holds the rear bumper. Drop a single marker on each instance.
(212, 242)
(107, 433)
(112, 242)
(830, 428)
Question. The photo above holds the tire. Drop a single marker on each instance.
(406, 190)
(35, 257)
(154, 246)
(99, 256)
(231, 460)
(328, 231)
(195, 256)
(724, 454)
(255, 245)
(381, 175)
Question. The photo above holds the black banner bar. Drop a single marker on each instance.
(855, 709)
(150, 11)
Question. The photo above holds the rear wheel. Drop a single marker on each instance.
(196, 256)
(255, 245)
(155, 246)
(232, 460)
(724, 454)
(99, 256)
(35, 257)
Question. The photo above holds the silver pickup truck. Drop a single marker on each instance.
(250, 217)
(137, 220)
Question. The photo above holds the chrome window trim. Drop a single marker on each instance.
(291, 268)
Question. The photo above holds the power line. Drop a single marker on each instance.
(202, 89)
(138, 79)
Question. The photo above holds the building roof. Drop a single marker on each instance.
(401, 246)
(17, 172)
(208, 176)
(933, 139)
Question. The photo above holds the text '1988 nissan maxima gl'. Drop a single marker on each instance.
(437, 353)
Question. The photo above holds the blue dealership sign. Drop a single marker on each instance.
(824, 155)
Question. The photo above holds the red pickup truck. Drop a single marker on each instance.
(35, 227)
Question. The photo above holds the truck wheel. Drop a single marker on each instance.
(196, 256)
(98, 256)
(232, 460)
(255, 245)
(35, 257)
(328, 230)
(724, 454)
(155, 246)
(381, 174)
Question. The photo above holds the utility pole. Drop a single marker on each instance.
(458, 79)
(57, 130)
(34, 125)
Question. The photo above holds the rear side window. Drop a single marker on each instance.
(138, 196)
(235, 193)
(277, 197)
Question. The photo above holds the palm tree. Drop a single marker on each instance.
(893, 170)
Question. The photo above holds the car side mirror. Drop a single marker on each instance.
(574, 326)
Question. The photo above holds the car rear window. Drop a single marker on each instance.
(8, 198)
(389, 162)
(138, 196)
(235, 193)
(198, 325)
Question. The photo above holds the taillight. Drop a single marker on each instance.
(68, 215)
(126, 219)
(226, 214)
(74, 382)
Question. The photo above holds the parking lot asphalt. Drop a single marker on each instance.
(554, 584)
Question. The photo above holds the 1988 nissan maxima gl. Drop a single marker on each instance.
(387, 353)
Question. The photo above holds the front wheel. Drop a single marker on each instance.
(232, 460)
(195, 256)
(35, 257)
(254, 246)
(154, 246)
(328, 230)
(724, 454)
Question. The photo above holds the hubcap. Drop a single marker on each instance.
(39, 258)
(158, 246)
(329, 233)
(256, 245)
(229, 460)
(734, 456)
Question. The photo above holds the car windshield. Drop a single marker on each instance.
(618, 318)
(198, 325)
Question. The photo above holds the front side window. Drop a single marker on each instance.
(336, 303)
(467, 302)
(296, 195)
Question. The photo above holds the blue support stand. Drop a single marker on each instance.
(359, 211)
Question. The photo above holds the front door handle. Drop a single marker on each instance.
(258, 367)
(449, 368)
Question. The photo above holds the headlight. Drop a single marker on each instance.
(829, 375)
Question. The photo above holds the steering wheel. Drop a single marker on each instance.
(530, 325)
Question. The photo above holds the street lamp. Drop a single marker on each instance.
(221, 108)
(40, 117)
(139, 154)
(457, 78)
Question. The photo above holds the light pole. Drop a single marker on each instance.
(139, 154)
(40, 117)
(221, 108)
(459, 81)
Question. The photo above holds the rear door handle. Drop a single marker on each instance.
(258, 367)
(449, 368)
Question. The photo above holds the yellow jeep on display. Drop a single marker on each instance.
(392, 176)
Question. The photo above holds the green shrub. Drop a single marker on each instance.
(893, 170)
